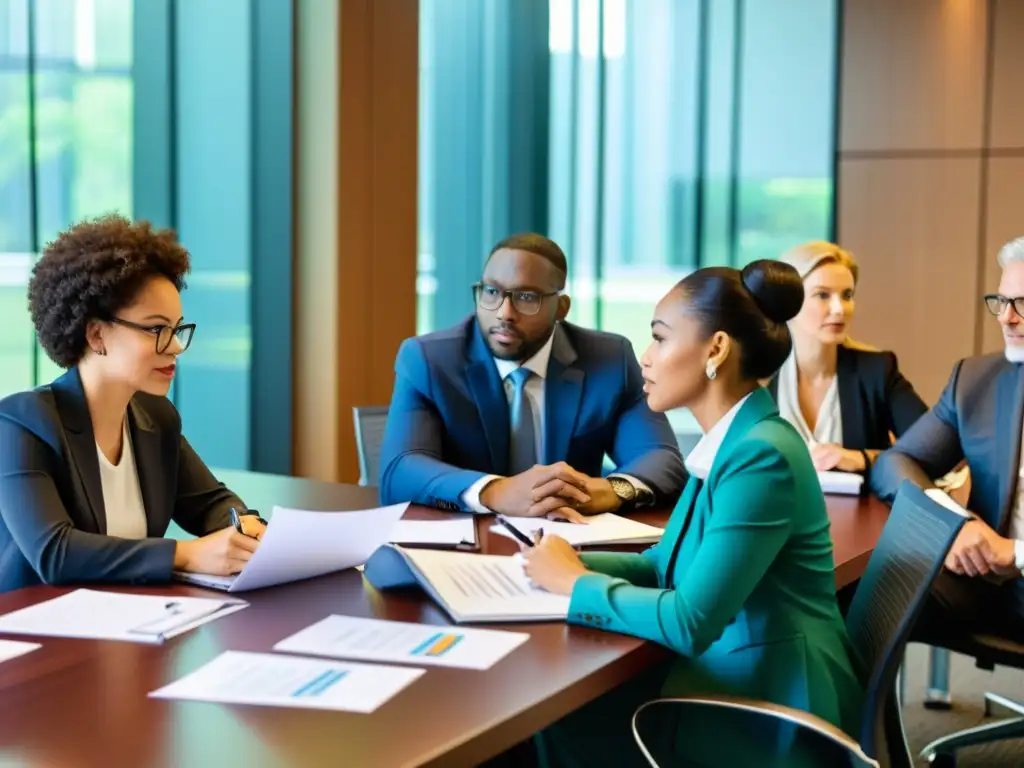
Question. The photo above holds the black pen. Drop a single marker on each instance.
(503, 521)
(237, 522)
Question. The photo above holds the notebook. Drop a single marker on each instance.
(601, 530)
(458, 533)
(470, 587)
(843, 483)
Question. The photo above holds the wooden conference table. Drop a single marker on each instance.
(84, 703)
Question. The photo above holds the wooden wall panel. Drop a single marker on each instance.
(912, 224)
(1004, 222)
(1007, 72)
(315, 380)
(367, 264)
(913, 74)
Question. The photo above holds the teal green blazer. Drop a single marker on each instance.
(749, 601)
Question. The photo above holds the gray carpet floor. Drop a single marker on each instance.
(968, 684)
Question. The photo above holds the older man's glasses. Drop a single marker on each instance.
(491, 297)
(163, 333)
(997, 303)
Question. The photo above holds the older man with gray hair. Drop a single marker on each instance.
(980, 418)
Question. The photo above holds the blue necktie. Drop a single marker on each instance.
(522, 448)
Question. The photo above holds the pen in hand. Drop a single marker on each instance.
(237, 522)
(519, 535)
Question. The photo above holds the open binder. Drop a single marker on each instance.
(470, 587)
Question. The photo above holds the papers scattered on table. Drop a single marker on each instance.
(12, 649)
(602, 529)
(395, 641)
(456, 533)
(263, 679)
(469, 587)
(844, 483)
(299, 544)
(115, 616)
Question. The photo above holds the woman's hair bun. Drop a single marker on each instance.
(776, 287)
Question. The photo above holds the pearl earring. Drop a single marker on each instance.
(711, 371)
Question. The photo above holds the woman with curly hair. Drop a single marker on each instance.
(93, 467)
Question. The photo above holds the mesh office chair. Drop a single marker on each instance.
(988, 651)
(369, 422)
(906, 560)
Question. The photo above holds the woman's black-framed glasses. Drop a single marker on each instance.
(163, 333)
(996, 303)
(491, 297)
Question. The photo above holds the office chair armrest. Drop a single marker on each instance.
(765, 708)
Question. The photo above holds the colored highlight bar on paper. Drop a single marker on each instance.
(320, 683)
(437, 645)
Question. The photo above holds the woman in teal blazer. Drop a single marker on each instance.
(741, 586)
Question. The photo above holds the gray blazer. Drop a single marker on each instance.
(978, 418)
(52, 521)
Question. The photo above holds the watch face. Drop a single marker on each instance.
(623, 488)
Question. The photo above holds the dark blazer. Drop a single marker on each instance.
(978, 418)
(52, 520)
(448, 424)
(874, 398)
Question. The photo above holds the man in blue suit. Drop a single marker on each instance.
(514, 410)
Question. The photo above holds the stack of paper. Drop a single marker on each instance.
(262, 679)
(453, 534)
(348, 637)
(469, 587)
(845, 483)
(299, 544)
(116, 616)
(600, 530)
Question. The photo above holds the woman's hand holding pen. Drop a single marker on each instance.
(552, 564)
(222, 553)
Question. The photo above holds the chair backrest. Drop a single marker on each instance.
(369, 422)
(888, 601)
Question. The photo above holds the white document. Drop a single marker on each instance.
(939, 497)
(347, 637)
(470, 587)
(117, 616)
(266, 680)
(601, 529)
(299, 544)
(12, 649)
(843, 483)
(445, 533)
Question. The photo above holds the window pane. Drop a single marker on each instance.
(786, 136)
(214, 207)
(426, 279)
(16, 336)
(651, 157)
(83, 139)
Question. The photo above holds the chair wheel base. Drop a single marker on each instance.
(937, 699)
(942, 760)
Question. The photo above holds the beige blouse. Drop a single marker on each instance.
(829, 426)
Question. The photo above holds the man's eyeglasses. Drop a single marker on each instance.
(996, 303)
(491, 297)
(163, 333)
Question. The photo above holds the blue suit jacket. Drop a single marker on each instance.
(448, 424)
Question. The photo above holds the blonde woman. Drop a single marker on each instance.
(845, 399)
